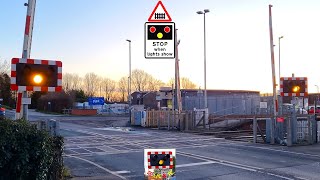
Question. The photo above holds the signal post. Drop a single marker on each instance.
(32, 74)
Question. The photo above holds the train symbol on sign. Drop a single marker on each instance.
(159, 15)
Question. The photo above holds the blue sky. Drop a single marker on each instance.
(89, 36)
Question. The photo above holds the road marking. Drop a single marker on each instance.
(97, 165)
(196, 164)
(232, 164)
(278, 150)
(123, 172)
(283, 177)
(208, 159)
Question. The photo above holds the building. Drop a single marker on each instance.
(146, 98)
(222, 102)
(164, 97)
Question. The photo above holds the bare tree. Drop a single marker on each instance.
(109, 87)
(91, 83)
(76, 82)
(4, 67)
(139, 80)
(185, 83)
(154, 84)
(171, 82)
(71, 82)
(123, 88)
(66, 81)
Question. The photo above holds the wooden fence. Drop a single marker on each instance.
(167, 119)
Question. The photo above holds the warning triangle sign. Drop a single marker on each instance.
(159, 14)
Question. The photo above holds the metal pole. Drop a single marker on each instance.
(130, 73)
(279, 59)
(205, 62)
(129, 81)
(273, 76)
(280, 98)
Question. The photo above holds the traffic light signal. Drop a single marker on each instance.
(294, 86)
(160, 32)
(36, 75)
(160, 160)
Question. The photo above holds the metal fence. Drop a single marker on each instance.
(225, 105)
(295, 130)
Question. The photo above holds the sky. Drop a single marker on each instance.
(90, 36)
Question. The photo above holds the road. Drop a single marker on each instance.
(95, 150)
(111, 153)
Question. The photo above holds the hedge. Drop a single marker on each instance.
(28, 153)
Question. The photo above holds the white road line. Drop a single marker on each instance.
(285, 151)
(218, 162)
(283, 177)
(97, 165)
(123, 172)
(233, 164)
(195, 164)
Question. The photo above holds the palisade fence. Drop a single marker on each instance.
(227, 105)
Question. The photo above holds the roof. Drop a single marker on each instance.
(222, 91)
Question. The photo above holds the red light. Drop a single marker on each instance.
(152, 29)
(167, 29)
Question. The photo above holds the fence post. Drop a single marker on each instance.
(168, 116)
(187, 121)
(309, 130)
(272, 130)
(204, 120)
(158, 118)
(254, 130)
(289, 132)
(314, 130)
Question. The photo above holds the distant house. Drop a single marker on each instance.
(146, 98)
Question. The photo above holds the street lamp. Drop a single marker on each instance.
(129, 83)
(279, 58)
(204, 52)
(316, 101)
(280, 103)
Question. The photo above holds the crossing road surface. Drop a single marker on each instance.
(117, 153)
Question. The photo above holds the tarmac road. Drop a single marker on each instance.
(96, 150)
(116, 153)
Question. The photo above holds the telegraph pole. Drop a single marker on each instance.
(177, 76)
(22, 93)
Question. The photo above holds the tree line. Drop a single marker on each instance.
(117, 91)
(90, 84)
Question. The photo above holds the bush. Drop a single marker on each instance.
(58, 101)
(28, 153)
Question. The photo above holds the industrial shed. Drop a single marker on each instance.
(222, 102)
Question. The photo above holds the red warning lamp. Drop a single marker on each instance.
(167, 29)
(152, 29)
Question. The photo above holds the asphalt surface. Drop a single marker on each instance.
(96, 150)
(116, 153)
